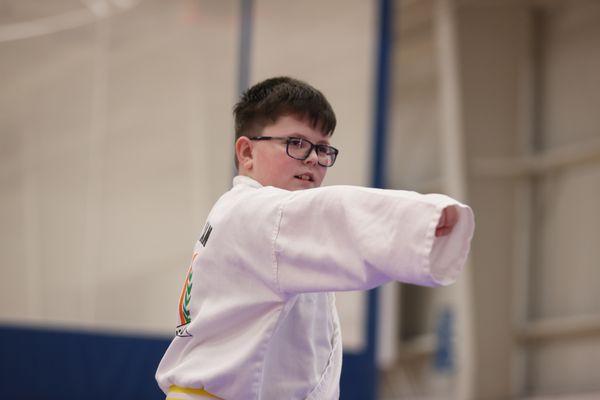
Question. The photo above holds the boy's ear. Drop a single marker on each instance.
(243, 152)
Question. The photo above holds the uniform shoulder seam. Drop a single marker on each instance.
(276, 231)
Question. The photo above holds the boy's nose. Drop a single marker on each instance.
(312, 157)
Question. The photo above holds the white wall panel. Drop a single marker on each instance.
(570, 63)
(565, 367)
(14, 294)
(564, 284)
(118, 137)
(568, 273)
(414, 153)
(529, 88)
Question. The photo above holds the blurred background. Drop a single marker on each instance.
(116, 138)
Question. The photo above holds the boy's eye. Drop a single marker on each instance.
(326, 150)
(297, 142)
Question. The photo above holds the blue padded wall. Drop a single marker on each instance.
(58, 364)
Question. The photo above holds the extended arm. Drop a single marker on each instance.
(351, 238)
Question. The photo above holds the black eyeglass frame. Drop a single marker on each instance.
(313, 146)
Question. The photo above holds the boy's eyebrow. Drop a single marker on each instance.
(301, 136)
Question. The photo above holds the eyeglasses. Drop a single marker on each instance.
(300, 149)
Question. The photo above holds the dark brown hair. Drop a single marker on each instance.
(263, 103)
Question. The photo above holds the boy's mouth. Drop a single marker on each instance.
(305, 177)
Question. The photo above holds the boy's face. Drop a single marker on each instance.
(271, 166)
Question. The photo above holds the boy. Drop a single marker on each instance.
(257, 312)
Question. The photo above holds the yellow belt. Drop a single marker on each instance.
(179, 393)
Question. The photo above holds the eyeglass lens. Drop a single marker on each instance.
(301, 148)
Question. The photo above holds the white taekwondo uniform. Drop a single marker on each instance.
(257, 313)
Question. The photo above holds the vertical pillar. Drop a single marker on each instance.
(453, 173)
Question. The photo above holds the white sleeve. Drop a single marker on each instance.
(341, 238)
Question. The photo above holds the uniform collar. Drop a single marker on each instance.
(246, 180)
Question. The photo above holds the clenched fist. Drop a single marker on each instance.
(447, 221)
